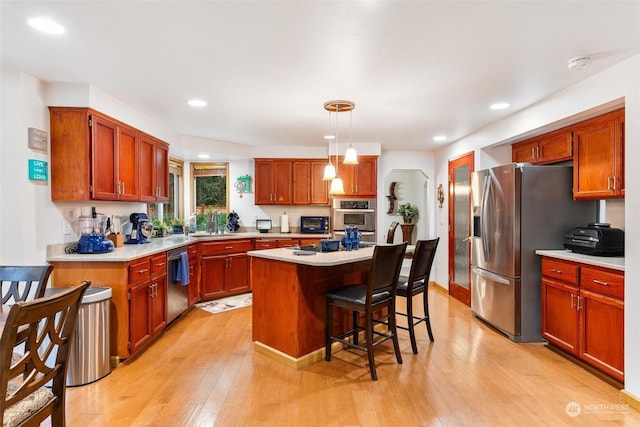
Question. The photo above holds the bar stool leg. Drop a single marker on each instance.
(328, 330)
(425, 299)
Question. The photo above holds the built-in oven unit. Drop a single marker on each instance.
(358, 212)
(314, 224)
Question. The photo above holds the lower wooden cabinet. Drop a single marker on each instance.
(225, 268)
(583, 313)
(147, 294)
(194, 273)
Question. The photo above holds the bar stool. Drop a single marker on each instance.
(378, 293)
(418, 283)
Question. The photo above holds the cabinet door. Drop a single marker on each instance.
(146, 162)
(212, 278)
(318, 187)
(139, 313)
(264, 182)
(127, 164)
(158, 305)
(602, 330)
(301, 182)
(555, 147)
(238, 274)
(104, 136)
(597, 145)
(282, 182)
(560, 315)
(366, 177)
(525, 151)
(161, 164)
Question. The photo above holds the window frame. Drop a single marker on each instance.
(204, 165)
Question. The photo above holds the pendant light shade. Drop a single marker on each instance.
(329, 172)
(337, 187)
(350, 156)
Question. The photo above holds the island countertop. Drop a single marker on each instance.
(615, 263)
(318, 259)
(125, 253)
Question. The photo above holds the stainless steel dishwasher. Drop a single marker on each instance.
(177, 282)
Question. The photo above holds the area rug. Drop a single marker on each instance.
(226, 304)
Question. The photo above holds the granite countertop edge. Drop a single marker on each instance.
(614, 263)
(319, 259)
(125, 253)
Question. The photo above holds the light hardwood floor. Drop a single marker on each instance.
(204, 371)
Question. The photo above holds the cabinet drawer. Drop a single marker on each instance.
(602, 281)
(227, 247)
(139, 270)
(159, 264)
(194, 252)
(560, 270)
(266, 244)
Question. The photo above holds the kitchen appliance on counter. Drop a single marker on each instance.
(517, 209)
(93, 238)
(358, 212)
(314, 224)
(596, 238)
(263, 225)
(141, 229)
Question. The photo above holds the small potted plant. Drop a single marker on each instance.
(407, 211)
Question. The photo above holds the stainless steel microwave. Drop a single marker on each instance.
(314, 224)
(359, 212)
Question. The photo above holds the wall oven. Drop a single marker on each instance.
(358, 212)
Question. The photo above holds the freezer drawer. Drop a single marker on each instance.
(496, 300)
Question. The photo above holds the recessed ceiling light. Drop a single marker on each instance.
(499, 106)
(439, 138)
(197, 103)
(329, 137)
(203, 156)
(46, 25)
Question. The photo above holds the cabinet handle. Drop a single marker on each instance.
(144, 270)
(599, 282)
(533, 154)
(537, 152)
(118, 188)
(122, 188)
(609, 183)
(615, 183)
(228, 247)
(553, 270)
(572, 297)
(160, 264)
(579, 299)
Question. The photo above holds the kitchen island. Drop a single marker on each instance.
(289, 302)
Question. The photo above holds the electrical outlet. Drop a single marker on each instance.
(66, 228)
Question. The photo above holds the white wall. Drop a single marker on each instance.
(602, 92)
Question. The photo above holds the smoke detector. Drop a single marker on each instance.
(579, 62)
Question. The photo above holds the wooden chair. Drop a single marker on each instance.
(23, 283)
(391, 232)
(50, 323)
(418, 283)
(378, 293)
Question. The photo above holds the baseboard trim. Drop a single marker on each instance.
(630, 399)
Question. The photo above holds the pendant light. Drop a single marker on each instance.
(350, 156)
(337, 186)
(329, 170)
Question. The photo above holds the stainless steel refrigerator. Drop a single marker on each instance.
(517, 209)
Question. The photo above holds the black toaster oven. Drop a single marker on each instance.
(595, 239)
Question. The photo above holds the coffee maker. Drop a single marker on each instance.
(141, 229)
(93, 239)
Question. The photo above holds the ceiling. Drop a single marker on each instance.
(415, 69)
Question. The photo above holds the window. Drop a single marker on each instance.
(209, 189)
(166, 212)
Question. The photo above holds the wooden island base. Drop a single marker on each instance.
(289, 306)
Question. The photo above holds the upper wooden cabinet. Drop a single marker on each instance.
(95, 157)
(291, 182)
(273, 181)
(548, 148)
(598, 163)
(154, 170)
(362, 179)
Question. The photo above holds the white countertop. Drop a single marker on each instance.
(320, 259)
(616, 263)
(56, 253)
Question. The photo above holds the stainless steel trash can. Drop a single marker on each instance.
(89, 355)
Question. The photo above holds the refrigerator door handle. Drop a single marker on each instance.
(494, 277)
(484, 228)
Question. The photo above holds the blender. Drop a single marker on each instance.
(93, 239)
